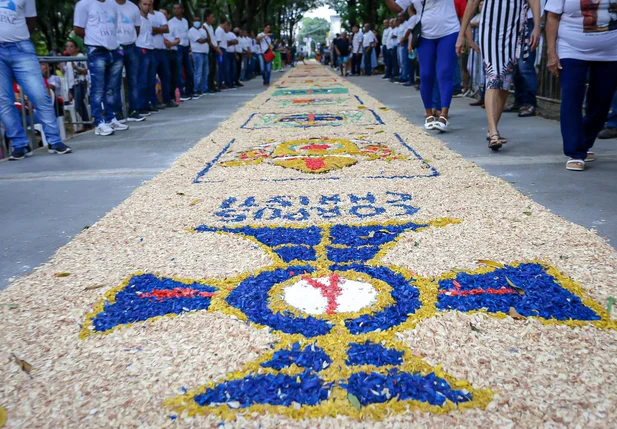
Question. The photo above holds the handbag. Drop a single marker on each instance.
(416, 33)
(269, 55)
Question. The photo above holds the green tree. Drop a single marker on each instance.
(315, 28)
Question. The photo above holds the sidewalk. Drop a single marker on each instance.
(533, 161)
(47, 199)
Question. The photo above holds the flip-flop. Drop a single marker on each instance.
(575, 164)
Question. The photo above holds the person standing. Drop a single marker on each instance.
(214, 51)
(368, 44)
(342, 49)
(224, 74)
(356, 43)
(128, 28)
(501, 39)
(161, 65)
(172, 41)
(235, 50)
(96, 22)
(265, 43)
(179, 26)
(145, 51)
(526, 78)
(440, 27)
(403, 56)
(393, 50)
(76, 73)
(198, 37)
(581, 51)
(18, 60)
(384, 48)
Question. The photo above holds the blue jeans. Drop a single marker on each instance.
(368, 61)
(403, 61)
(232, 68)
(579, 132)
(267, 71)
(130, 60)
(457, 75)
(105, 77)
(185, 82)
(394, 65)
(161, 68)
(245, 67)
(525, 78)
(387, 61)
(18, 63)
(146, 67)
(612, 117)
(201, 72)
(436, 58)
(223, 62)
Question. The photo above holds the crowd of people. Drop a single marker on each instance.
(422, 46)
(167, 60)
(162, 60)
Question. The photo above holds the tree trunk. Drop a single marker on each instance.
(250, 18)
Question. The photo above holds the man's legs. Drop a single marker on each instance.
(198, 58)
(573, 78)
(612, 117)
(368, 66)
(175, 69)
(230, 62)
(113, 79)
(131, 63)
(186, 66)
(387, 62)
(602, 86)
(97, 65)
(162, 70)
(204, 74)
(221, 67)
(144, 84)
(394, 62)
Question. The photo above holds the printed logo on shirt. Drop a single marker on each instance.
(594, 20)
(8, 4)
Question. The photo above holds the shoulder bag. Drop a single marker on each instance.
(269, 55)
(416, 33)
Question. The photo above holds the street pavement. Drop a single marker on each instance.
(47, 200)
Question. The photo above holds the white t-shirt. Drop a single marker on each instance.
(402, 30)
(439, 19)
(99, 20)
(393, 39)
(194, 36)
(357, 43)
(368, 38)
(264, 43)
(158, 20)
(256, 47)
(171, 37)
(145, 39)
(180, 28)
(13, 14)
(231, 37)
(221, 37)
(595, 40)
(385, 36)
(128, 18)
(211, 33)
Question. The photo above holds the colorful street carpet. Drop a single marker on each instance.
(317, 261)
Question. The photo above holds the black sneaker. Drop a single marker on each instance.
(20, 153)
(185, 97)
(171, 104)
(136, 117)
(239, 85)
(145, 112)
(120, 118)
(59, 148)
(160, 106)
(212, 91)
(152, 109)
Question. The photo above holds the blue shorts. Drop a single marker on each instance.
(343, 60)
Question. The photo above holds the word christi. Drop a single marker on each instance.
(303, 208)
(336, 309)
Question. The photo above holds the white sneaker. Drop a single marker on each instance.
(103, 129)
(117, 126)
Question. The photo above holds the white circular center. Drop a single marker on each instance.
(329, 295)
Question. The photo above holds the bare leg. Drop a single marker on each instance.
(445, 111)
(495, 100)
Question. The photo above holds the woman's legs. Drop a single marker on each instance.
(427, 55)
(602, 84)
(494, 101)
(573, 80)
(446, 61)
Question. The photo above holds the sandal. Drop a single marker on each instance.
(441, 126)
(495, 142)
(503, 140)
(591, 157)
(429, 122)
(575, 164)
